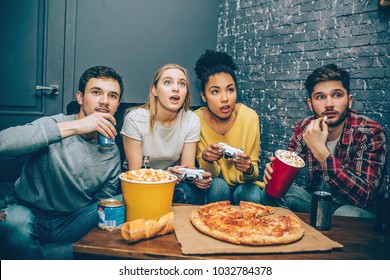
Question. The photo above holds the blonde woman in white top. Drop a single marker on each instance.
(164, 128)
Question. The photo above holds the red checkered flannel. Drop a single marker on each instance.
(356, 169)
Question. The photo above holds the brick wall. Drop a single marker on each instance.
(277, 43)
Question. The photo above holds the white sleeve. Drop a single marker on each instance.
(193, 128)
(133, 125)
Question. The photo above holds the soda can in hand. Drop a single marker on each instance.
(105, 142)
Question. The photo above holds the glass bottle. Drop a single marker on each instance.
(145, 162)
(382, 223)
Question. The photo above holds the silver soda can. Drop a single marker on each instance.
(321, 210)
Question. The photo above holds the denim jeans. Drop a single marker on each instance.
(298, 199)
(25, 231)
(219, 190)
(190, 193)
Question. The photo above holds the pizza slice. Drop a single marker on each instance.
(273, 230)
(251, 210)
(218, 209)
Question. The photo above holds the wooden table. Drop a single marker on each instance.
(356, 234)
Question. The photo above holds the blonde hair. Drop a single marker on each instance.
(151, 104)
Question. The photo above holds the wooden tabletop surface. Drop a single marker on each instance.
(356, 234)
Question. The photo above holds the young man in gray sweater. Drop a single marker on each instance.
(66, 172)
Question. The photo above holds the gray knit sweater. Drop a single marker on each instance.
(60, 175)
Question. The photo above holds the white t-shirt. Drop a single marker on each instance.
(165, 145)
(332, 145)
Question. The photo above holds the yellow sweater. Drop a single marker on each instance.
(244, 134)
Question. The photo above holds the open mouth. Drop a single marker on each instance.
(175, 98)
(225, 109)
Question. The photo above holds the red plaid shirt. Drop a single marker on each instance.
(357, 168)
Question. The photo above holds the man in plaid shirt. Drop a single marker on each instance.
(345, 152)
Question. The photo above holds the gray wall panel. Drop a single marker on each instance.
(137, 37)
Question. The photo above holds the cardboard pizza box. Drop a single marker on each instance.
(193, 242)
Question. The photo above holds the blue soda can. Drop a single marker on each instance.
(105, 142)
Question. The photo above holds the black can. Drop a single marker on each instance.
(382, 222)
(321, 210)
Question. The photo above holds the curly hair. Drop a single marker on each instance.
(214, 62)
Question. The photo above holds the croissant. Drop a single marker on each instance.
(140, 229)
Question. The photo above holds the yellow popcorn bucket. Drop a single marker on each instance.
(147, 200)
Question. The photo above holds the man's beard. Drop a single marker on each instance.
(343, 115)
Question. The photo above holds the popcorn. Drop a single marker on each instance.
(290, 158)
(148, 175)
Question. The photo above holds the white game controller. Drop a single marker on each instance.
(189, 175)
(230, 152)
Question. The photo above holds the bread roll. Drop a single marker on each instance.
(137, 230)
(140, 229)
(125, 231)
(166, 223)
(151, 228)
